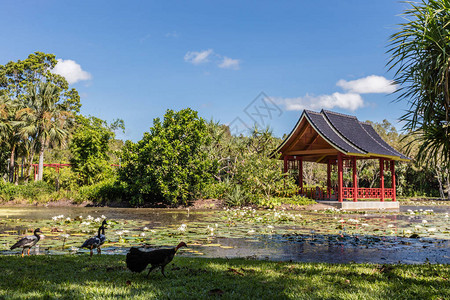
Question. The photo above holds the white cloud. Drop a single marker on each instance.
(369, 84)
(198, 57)
(70, 70)
(229, 63)
(349, 101)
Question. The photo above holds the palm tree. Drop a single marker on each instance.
(47, 119)
(10, 128)
(420, 56)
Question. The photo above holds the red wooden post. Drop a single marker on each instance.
(300, 174)
(394, 192)
(382, 179)
(355, 180)
(329, 179)
(340, 178)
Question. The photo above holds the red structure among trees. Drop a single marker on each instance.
(338, 140)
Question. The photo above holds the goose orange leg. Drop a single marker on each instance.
(29, 251)
(22, 252)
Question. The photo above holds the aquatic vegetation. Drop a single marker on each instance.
(212, 229)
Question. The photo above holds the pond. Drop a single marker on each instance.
(413, 235)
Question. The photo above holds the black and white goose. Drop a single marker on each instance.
(96, 241)
(28, 241)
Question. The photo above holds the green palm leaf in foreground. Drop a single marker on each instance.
(420, 55)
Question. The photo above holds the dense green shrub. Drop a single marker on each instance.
(294, 200)
(170, 163)
(106, 191)
(64, 179)
(237, 196)
(90, 148)
(32, 191)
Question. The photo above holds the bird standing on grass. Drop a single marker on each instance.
(28, 241)
(138, 260)
(96, 241)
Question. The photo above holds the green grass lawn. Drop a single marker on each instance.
(106, 276)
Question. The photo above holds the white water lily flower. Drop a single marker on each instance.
(152, 230)
(120, 232)
(270, 226)
(251, 231)
(431, 229)
(89, 218)
(97, 220)
(341, 221)
(103, 217)
(210, 229)
(408, 231)
(145, 229)
(55, 218)
(86, 223)
(68, 219)
(65, 235)
(424, 221)
(353, 220)
(390, 225)
(182, 228)
(364, 224)
(142, 234)
(418, 226)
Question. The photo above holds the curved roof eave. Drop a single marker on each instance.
(286, 139)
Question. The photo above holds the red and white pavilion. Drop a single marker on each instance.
(338, 140)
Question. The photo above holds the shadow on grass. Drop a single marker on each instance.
(76, 277)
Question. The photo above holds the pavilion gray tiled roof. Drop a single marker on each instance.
(371, 131)
(347, 134)
(319, 121)
(352, 130)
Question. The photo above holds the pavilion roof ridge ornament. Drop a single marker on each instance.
(337, 113)
(319, 136)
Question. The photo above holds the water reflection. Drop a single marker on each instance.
(317, 237)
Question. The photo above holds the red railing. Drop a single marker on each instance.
(321, 193)
(367, 193)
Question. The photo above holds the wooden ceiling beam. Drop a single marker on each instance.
(312, 152)
(299, 136)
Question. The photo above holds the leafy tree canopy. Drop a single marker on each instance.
(169, 164)
(90, 148)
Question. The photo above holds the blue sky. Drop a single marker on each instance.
(135, 59)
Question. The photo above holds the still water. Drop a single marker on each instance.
(413, 235)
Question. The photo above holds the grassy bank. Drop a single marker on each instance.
(76, 277)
